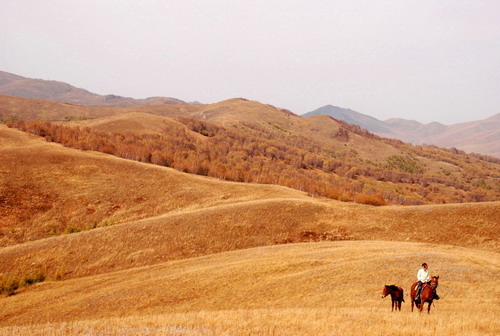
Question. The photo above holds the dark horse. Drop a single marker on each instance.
(427, 294)
(396, 294)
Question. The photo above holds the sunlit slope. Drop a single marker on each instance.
(249, 224)
(47, 189)
(340, 276)
(137, 122)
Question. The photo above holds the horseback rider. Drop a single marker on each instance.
(424, 276)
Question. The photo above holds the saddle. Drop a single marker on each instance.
(419, 290)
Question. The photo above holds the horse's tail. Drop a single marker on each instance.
(402, 292)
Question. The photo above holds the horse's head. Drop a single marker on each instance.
(387, 290)
(434, 281)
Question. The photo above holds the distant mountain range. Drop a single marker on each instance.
(481, 136)
(14, 85)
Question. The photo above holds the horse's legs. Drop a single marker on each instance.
(412, 303)
(429, 307)
(392, 307)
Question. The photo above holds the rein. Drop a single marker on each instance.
(433, 284)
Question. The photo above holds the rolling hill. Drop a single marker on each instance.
(133, 248)
(247, 141)
(14, 85)
(157, 214)
(47, 188)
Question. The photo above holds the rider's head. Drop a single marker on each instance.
(424, 266)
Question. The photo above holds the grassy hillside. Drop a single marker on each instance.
(245, 225)
(47, 189)
(104, 213)
(300, 289)
(137, 122)
(318, 155)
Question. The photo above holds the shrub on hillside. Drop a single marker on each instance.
(31, 279)
(405, 163)
(376, 199)
(345, 198)
(9, 284)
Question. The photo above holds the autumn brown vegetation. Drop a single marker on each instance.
(252, 153)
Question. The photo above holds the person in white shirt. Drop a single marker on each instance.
(424, 276)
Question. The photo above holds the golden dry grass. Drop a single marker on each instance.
(244, 225)
(164, 268)
(138, 122)
(301, 289)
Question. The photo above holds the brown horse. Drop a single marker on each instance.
(427, 294)
(396, 294)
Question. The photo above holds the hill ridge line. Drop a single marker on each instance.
(145, 221)
(221, 206)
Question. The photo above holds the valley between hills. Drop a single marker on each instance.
(104, 243)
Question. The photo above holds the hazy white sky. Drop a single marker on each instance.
(427, 60)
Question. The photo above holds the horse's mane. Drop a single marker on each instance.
(392, 287)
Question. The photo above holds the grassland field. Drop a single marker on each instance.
(191, 255)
